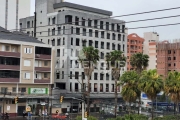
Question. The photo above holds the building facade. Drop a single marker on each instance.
(134, 45)
(167, 57)
(12, 11)
(68, 27)
(150, 39)
(25, 72)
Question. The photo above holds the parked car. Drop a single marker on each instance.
(59, 116)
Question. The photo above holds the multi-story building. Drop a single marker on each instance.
(25, 72)
(68, 27)
(167, 57)
(134, 45)
(12, 11)
(150, 39)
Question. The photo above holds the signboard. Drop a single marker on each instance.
(28, 109)
(38, 90)
(8, 108)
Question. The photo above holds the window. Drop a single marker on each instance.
(7, 48)
(123, 28)
(28, 24)
(95, 76)
(76, 20)
(114, 36)
(113, 46)
(102, 34)
(58, 42)
(53, 31)
(107, 25)
(27, 75)
(107, 76)
(49, 32)
(84, 43)
(174, 58)
(4, 89)
(63, 41)
(96, 33)
(76, 75)
(119, 37)
(101, 76)
(28, 50)
(27, 63)
(62, 74)
(102, 55)
(54, 20)
(71, 41)
(45, 63)
(112, 27)
(89, 23)
(83, 22)
(123, 37)
(96, 44)
(108, 46)
(58, 52)
(84, 32)
(64, 29)
(90, 33)
(72, 30)
(90, 42)
(59, 30)
(118, 28)
(14, 89)
(57, 76)
(77, 31)
(77, 41)
(102, 45)
(95, 23)
(119, 47)
(169, 51)
(101, 24)
(45, 75)
(108, 35)
(70, 74)
(53, 42)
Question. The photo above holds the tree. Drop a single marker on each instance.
(139, 62)
(115, 60)
(151, 84)
(172, 87)
(89, 58)
(130, 91)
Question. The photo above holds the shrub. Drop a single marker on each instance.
(168, 117)
(131, 117)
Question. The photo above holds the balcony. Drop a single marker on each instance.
(10, 54)
(41, 80)
(11, 80)
(10, 67)
(43, 57)
(42, 69)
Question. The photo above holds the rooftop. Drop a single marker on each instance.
(17, 36)
(81, 7)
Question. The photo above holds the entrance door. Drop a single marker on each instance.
(20, 110)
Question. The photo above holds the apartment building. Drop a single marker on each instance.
(68, 27)
(25, 72)
(150, 39)
(168, 57)
(134, 45)
(12, 11)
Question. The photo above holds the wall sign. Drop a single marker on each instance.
(38, 91)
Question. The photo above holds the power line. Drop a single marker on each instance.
(112, 17)
(128, 29)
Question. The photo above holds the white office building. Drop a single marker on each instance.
(11, 11)
(68, 27)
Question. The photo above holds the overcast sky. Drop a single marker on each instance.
(122, 7)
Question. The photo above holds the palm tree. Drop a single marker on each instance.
(172, 87)
(115, 60)
(151, 84)
(130, 91)
(89, 58)
(139, 62)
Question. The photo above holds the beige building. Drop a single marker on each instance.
(149, 48)
(25, 72)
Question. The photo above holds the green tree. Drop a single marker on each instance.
(88, 58)
(172, 87)
(139, 62)
(115, 60)
(151, 84)
(129, 81)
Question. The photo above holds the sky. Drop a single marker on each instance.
(123, 7)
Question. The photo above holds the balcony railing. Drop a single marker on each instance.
(10, 67)
(44, 57)
(10, 54)
(9, 80)
(43, 69)
(41, 80)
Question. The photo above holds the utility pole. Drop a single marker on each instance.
(83, 96)
(4, 92)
